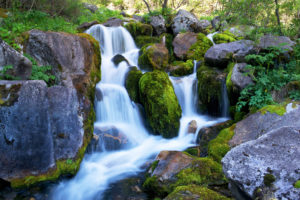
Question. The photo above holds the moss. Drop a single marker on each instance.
(199, 48)
(155, 56)
(153, 188)
(168, 42)
(143, 40)
(3, 13)
(218, 147)
(160, 102)
(154, 165)
(209, 90)
(132, 84)
(191, 191)
(297, 184)
(193, 151)
(279, 109)
(8, 96)
(225, 37)
(180, 68)
(203, 171)
(269, 180)
(138, 28)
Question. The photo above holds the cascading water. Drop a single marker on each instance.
(99, 169)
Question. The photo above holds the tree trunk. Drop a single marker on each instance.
(277, 15)
(164, 7)
(148, 7)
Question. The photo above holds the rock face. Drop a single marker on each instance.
(219, 55)
(182, 43)
(9, 56)
(264, 121)
(155, 56)
(238, 79)
(158, 23)
(160, 102)
(45, 130)
(276, 41)
(86, 25)
(111, 22)
(185, 21)
(270, 163)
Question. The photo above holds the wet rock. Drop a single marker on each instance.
(112, 22)
(117, 59)
(21, 66)
(182, 43)
(238, 79)
(185, 21)
(219, 55)
(206, 134)
(91, 7)
(269, 163)
(86, 25)
(192, 127)
(267, 119)
(155, 56)
(158, 23)
(160, 102)
(276, 41)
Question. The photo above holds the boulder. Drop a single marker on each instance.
(132, 84)
(117, 59)
(276, 41)
(137, 18)
(281, 95)
(180, 68)
(86, 25)
(91, 7)
(192, 127)
(138, 28)
(198, 49)
(267, 167)
(161, 105)
(209, 90)
(155, 56)
(224, 37)
(206, 134)
(21, 66)
(268, 118)
(221, 54)
(158, 23)
(238, 79)
(112, 22)
(185, 21)
(50, 127)
(141, 40)
(205, 26)
(182, 43)
(218, 24)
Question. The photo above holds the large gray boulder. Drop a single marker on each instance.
(264, 121)
(267, 167)
(238, 78)
(9, 56)
(185, 21)
(182, 43)
(159, 25)
(276, 41)
(219, 55)
(113, 22)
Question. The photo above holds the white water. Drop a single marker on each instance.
(211, 35)
(99, 170)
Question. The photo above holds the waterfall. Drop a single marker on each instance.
(115, 109)
(225, 101)
(211, 35)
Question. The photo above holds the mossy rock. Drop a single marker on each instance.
(168, 43)
(225, 37)
(132, 84)
(138, 28)
(209, 90)
(194, 191)
(160, 102)
(203, 171)
(155, 56)
(218, 147)
(180, 68)
(143, 40)
(152, 187)
(198, 49)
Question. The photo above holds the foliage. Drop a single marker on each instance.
(270, 71)
(297, 184)
(5, 75)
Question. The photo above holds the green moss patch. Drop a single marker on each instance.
(143, 40)
(218, 147)
(279, 109)
(132, 84)
(269, 179)
(160, 102)
(154, 189)
(186, 192)
(297, 184)
(180, 68)
(225, 37)
(198, 49)
(138, 28)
